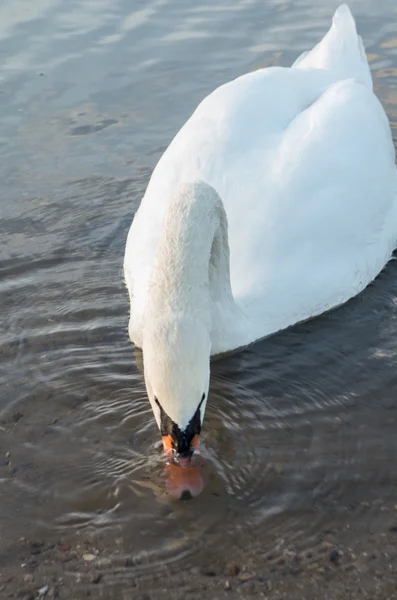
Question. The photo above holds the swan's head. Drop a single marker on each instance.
(176, 355)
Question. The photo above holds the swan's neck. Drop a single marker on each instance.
(191, 275)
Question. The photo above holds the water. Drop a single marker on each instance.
(300, 429)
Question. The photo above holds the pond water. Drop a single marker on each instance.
(300, 429)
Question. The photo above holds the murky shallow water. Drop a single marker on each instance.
(299, 429)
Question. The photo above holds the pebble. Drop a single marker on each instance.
(89, 557)
(227, 586)
(245, 576)
(43, 591)
(334, 556)
(232, 569)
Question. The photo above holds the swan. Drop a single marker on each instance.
(275, 202)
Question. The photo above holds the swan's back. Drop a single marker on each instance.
(304, 163)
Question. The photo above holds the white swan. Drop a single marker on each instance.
(293, 170)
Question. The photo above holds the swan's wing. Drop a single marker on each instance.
(330, 223)
(341, 51)
(304, 163)
(224, 143)
(237, 124)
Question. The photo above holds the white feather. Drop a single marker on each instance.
(303, 162)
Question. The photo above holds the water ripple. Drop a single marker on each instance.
(299, 428)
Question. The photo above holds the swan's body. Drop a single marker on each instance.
(302, 162)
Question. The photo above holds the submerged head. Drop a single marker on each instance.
(176, 354)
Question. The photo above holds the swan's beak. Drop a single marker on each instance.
(182, 451)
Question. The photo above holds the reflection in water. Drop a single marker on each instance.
(184, 482)
(298, 428)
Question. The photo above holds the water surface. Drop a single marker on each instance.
(299, 429)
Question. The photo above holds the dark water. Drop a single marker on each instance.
(300, 430)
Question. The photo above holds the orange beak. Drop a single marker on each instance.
(168, 444)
